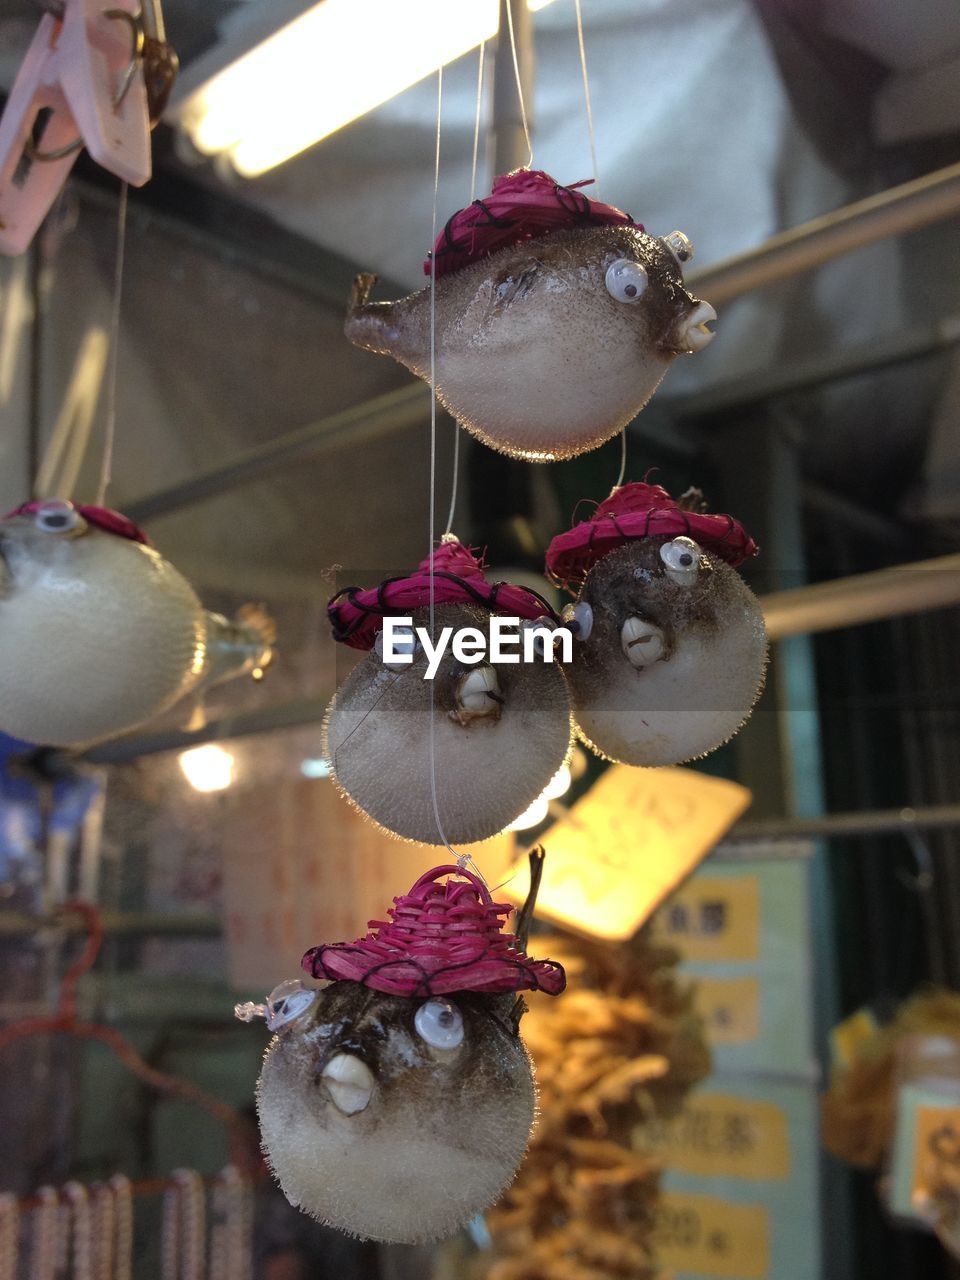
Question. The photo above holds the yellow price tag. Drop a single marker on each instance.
(730, 1008)
(717, 1135)
(627, 844)
(712, 1237)
(713, 918)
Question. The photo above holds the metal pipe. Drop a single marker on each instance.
(866, 597)
(361, 424)
(866, 823)
(243, 724)
(853, 362)
(791, 253)
(116, 924)
(509, 138)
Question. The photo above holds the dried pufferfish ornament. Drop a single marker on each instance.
(556, 317)
(397, 1103)
(98, 632)
(670, 648)
(501, 730)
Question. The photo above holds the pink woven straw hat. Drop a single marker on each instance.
(642, 511)
(524, 205)
(102, 517)
(445, 935)
(357, 616)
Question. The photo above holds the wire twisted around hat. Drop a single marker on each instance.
(642, 510)
(356, 616)
(523, 205)
(445, 935)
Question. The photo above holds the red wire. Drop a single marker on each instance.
(85, 961)
(64, 1022)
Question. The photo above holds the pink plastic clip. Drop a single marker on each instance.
(85, 69)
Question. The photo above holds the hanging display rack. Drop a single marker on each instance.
(901, 209)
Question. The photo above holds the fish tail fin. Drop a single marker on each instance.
(383, 327)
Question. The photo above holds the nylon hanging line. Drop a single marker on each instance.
(623, 458)
(476, 121)
(457, 428)
(433, 462)
(462, 859)
(516, 74)
(110, 429)
(586, 98)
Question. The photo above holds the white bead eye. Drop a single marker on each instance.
(440, 1024)
(404, 641)
(579, 618)
(287, 1002)
(680, 246)
(626, 280)
(541, 632)
(57, 517)
(681, 559)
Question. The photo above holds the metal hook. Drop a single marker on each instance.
(137, 32)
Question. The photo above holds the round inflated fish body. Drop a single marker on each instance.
(675, 657)
(548, 348)
(373, 1130)
(98, 633)
(501, 731)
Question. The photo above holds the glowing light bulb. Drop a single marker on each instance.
(315, 767)
(531, 817)
(208, 768)
(558, 785)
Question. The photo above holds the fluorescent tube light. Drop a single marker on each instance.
(328, 66)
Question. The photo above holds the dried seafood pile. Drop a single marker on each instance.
(621, 1048)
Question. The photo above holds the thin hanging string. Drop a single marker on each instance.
(456, 476)
(462, 859)
(473, 194)
(433, 461)
(586, 94)
(516, 74)
(623, 458)
(110, 430)
(585, 75)
(476, 121)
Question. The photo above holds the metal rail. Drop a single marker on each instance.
(865, 597)
(361, 424)
(907, 207)
(877, 823)
(243, 724)
(853, 362)
(116, 924)
(904, 208)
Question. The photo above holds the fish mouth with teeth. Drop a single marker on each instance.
(349, 1083)
(691, 334)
